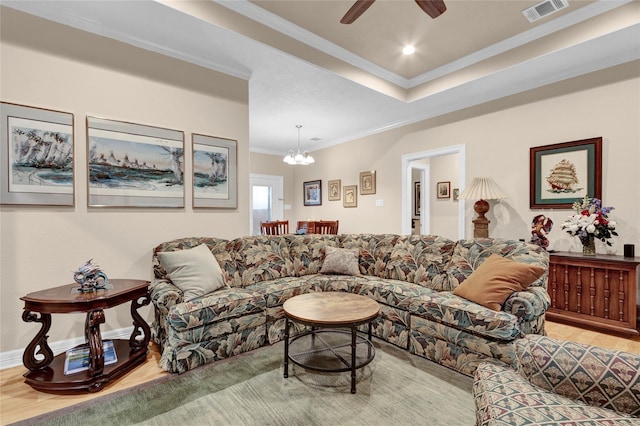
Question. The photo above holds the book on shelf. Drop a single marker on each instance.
(77, 359)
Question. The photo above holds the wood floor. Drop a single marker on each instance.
(19, 401)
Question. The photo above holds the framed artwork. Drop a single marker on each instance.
(350, 196)
(443, 189)
(335, 190)
(134, 165)
(37, 164)
(456, 194)
(367, 183)
(312, 193)
(214, 172)
(416, 198)
(564, 172)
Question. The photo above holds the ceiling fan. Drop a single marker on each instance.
(433, 8)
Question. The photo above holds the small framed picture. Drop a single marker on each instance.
(335, 190)
(214, 172)
(312, 193)
(456, 194)
(367, 183)
(443, 189)
(350, 196)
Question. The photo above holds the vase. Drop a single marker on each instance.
(588, 246)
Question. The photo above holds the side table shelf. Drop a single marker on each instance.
(46, 371)
(597, 291)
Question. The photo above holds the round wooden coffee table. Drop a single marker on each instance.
(328, 347)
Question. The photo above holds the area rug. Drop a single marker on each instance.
(395, 388)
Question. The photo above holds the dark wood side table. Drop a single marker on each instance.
(46, 371)
(597, 291)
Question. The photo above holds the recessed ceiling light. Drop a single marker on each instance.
(409, 50)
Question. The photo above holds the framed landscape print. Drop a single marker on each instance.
(312, 193)
(564, 172)
(134, 165)
(443, 189)
(350, 196)
(214, 172)
(335, 190)
(37, 163)
(367, 183)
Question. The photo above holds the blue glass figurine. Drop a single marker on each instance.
(90, 277)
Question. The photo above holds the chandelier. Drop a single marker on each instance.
(304, 158)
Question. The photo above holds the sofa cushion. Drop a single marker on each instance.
(469, 255)
(502, 397)
(374, 251)
(340, 261)
(194, 271)
(215, 307)
(278, 291)
(462, 314)
(308, 251)
(590, 374)
(496, 279)
(261, 258)
(419, 259)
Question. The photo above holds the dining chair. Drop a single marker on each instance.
(276, 227)
(282, 227)
(327, 227)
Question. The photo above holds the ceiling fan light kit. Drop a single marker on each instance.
(433, 8)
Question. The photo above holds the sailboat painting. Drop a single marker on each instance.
(214, 172)
(563, 178)
(564, 172)
(129, 166)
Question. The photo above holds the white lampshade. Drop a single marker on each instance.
(482, 188)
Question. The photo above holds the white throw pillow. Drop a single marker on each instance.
(195, 271)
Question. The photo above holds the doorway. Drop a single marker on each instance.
(266, 201)
(413, 161)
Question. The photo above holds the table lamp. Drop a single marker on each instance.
(481, 189)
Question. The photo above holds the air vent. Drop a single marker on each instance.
(543, 9)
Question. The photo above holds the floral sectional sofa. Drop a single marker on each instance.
(412, 277)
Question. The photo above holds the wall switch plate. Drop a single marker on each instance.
(379, 203)
(287, 206)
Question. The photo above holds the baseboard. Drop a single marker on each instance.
(14, 358)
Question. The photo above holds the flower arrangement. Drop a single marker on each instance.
(590, 221)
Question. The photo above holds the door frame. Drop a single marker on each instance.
(277, 201)
(407, 187)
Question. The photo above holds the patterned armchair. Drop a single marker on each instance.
(559, 382)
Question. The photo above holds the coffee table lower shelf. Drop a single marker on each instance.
(330, 351)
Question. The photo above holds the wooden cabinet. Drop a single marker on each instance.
(597, 291)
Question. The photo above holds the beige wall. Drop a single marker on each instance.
(497, 137)
(55, 67)
(51, 66)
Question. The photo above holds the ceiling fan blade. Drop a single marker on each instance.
(356, 10)
(433, 8)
